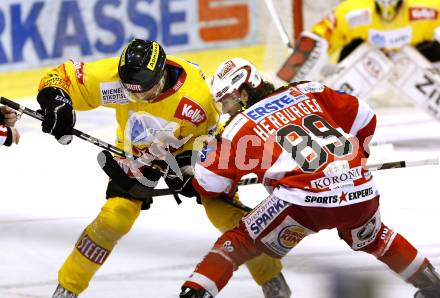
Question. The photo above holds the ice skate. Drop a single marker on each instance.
(277, 287)
(428, 282)
(61, 292)
(188, 292)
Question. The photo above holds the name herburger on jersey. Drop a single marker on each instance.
(350, 196)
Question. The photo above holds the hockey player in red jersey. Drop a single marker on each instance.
(8, 133)
(308, 145)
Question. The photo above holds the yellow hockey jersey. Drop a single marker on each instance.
(415, 22)
(185, 110)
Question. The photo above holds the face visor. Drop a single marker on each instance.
(136, 93)
(230, 104)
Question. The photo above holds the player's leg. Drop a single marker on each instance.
(269, 228)
(265, 270)
(395, 251)
(231, 250)
(95, 244)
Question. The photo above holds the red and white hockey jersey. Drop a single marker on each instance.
(307, 143)
(3, 134)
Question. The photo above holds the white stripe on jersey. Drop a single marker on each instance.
(413, 267)
(205, 282)
(210, 181)
(284, 164)
(337, 197)
(234, 126)
(363, 117)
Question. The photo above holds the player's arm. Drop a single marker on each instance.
(65, 89)
(199, 134)
(358, 118)
(215, 173)
(56, 105)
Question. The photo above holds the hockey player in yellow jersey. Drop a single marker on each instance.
(387, 25)
(163, 106)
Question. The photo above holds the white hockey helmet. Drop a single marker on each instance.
(231, 75)
(388, 8)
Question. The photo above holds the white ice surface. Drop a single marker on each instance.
(50, 192)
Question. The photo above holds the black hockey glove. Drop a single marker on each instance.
(59, 116)
(135, 179)
(183, 186)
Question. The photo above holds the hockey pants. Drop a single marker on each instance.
(287, 224)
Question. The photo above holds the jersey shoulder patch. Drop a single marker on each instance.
(359, 17)
(422, 13)
(308, 87)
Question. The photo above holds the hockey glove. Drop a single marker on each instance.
(59, 116)
(183, 186)
(135, 179)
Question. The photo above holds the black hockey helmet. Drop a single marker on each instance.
(388, 9)
(141, 65)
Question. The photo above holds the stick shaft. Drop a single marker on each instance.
(402, 164)
(245, 181)
(75, 132)
(278, 24)
(372, 167)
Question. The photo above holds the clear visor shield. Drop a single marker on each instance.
(388, 9)
(146, 96)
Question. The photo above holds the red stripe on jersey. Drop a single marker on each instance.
(400, 254)
(366, 134)
(3, 131)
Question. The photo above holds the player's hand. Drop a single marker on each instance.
(59, 116)
(8, 116)
(183, 186)
(130, 175)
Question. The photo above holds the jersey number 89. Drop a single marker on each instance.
(311, 143)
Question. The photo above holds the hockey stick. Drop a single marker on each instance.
(167, 191)
(75, 132)
(372, 167)
(115, 150)
(93, 140)
(279, 25)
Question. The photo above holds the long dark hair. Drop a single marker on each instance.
(256, 94)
